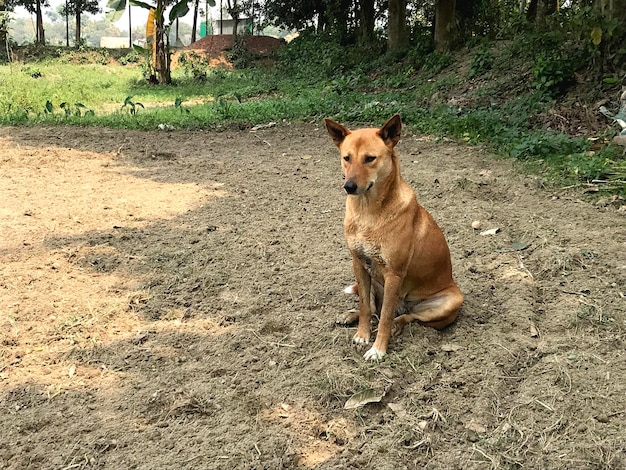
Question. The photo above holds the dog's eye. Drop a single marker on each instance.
(347, 158)
(369, 159)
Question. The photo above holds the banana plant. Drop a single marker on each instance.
(160, 45)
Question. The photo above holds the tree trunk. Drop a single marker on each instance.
(445, 25)
(162, 66)
(321, 17)
(41, 36)
(233, 11)
(130, 29)
(4, 23)
(366, 21)
(538, 10)
(67, 26)
(398, 34)
(77, 40)
(195, 21)
(613, 9)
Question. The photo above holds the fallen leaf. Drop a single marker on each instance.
(534, 333)
(398, 409)
(363, 398)
(478, 428)
(596, 35)
(519, 246)
(491, 231)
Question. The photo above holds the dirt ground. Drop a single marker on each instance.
(167, 300)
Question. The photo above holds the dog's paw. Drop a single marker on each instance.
(360, 340)
(347, 318)
(398, 326)
(373, 354)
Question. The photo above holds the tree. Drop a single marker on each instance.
(35, 7)
(78, 7)
(445, 25)
(194, 27)
(367, 18)
(398, 32)
(613, 9)
(538, 10)
(4, 23)
(234, 9)
(297, 14)
(160, 45)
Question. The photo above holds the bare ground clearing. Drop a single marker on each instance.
(167, 300)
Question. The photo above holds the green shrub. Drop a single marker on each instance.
(482, 61)
(133, 57)
(553, 72)
(194, 66)
(436, 62)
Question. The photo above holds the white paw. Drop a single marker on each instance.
(373, 354)
(359, 340)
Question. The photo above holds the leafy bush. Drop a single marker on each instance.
(436, 62)
(542, 144)
(482, 61)
(133, 57)
(194, 66)
(239, 55)
(553, 72)
(312, 56)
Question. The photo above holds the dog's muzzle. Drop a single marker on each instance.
(350, 187)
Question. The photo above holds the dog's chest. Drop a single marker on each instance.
(370, 256)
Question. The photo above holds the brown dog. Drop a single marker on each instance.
(400, 257)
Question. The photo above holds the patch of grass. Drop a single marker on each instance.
(314, 78)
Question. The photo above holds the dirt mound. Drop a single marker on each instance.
(261, 45)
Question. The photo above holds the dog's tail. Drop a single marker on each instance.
(352, 290)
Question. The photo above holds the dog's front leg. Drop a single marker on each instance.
(387, 314)
(364, 281)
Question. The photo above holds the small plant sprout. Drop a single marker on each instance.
(132, 105)
(178, 104)
(79, 110)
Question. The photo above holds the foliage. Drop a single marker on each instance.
(553, 73)
(315, 76)
(78, 109)
(133, 57)
(482, 61)
(436, 62)
(194, 66)
(297, 57)
(133, 106)
(239, 55)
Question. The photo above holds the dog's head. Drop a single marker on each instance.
(367, 155)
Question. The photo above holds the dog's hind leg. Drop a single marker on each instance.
(348, 318)
(435, 312)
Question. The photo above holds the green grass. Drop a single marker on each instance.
(297, 89)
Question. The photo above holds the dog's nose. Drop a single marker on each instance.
(350, 187)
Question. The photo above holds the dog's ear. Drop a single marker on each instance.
(336, 131)
(390, 132)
